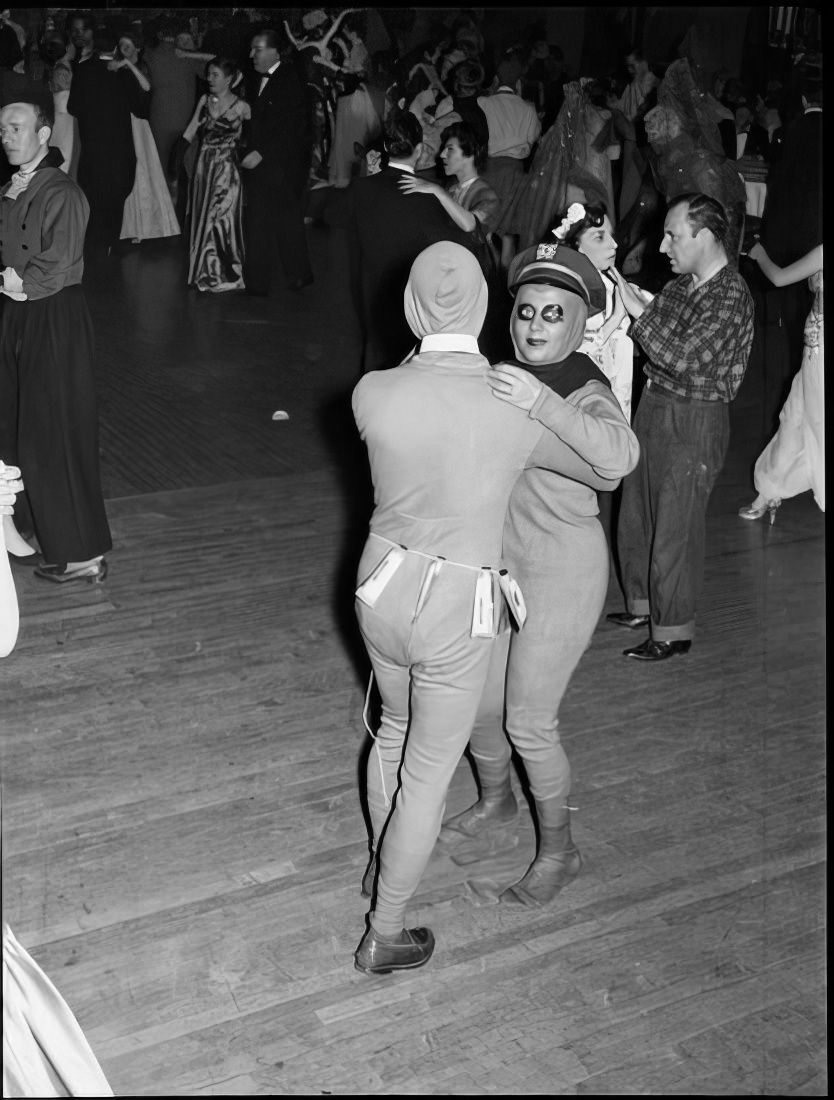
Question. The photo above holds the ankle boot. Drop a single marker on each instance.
(557, 862)
(495, 809)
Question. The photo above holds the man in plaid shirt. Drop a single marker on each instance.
(697, 334)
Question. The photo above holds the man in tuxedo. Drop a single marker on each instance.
(791, 227)
(387, 232)
(275, 170)
(102, 104)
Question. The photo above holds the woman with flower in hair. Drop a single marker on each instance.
(586, 228)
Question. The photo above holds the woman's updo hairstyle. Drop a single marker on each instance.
(576, 219)
(227, 67)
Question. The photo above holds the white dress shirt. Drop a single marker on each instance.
(513, 123)
(266, 76)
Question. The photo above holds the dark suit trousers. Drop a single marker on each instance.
(49, 422)
(273, 222)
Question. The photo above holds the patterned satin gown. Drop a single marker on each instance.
(215, 204)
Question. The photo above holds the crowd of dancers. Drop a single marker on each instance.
(560, 288)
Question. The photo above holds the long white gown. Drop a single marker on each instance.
(45, 1052)
(149, 211)
(794, 460)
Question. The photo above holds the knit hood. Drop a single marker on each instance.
(446, 292)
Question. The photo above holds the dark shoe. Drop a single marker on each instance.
(651, 650)
(369, 878)
(413, 948)
(94, 572)
(299, 284)
(26, 559)
(625, 618)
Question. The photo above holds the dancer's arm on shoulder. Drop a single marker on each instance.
(796, 272)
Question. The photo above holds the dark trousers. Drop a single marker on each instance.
(273, 222)
(49, 422)
(662, 525)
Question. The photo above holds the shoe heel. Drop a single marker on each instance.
(771, 508)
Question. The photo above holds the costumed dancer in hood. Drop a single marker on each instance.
(48, 415)
(555, 546)
(444, 456)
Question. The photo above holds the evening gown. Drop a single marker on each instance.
(216, 204)
(794, 460)
(357, 122)
(45, 1052)
(148, 210)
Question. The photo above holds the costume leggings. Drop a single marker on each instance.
(564, 602)
(430, 674)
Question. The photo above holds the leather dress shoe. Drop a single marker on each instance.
(93, 571)
(299, 284)
(411, 949)
(34, 558)
(625, 618)
(651, 650)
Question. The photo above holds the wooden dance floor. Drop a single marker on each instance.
(183, 835)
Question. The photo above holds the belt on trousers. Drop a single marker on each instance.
(484, 618)
(661, 391)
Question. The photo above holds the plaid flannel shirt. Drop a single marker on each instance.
(698, 341)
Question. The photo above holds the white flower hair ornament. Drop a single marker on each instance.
(576, 212)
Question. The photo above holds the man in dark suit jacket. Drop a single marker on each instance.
(102, 103)
(791, 227)
(275, 169)
(387, 232)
